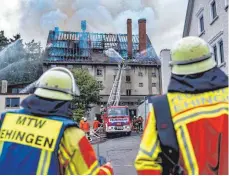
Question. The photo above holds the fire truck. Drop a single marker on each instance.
(116, 119)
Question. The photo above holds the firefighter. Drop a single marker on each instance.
(197, 107)
(101, 109)
(41, 138)
(140, 121)
(96, 124)
(86, 128)
(81, 123)
(135, 124)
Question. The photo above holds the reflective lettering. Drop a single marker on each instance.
(29, 138)
(48, 142)
(8, 133)
(21, 120)
(2, 134)
(39, 123)
(39, 140)
(20, 135)
(30, 120)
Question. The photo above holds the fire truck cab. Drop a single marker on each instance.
(116, 119)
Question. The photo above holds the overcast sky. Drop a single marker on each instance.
(34, 18)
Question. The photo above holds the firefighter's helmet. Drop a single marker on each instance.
(191, 55)
(57, 83)
(95, 118)
(85, 119)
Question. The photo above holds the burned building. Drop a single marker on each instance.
(86, 50)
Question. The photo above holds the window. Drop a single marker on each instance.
(14, 90)
(221, 51)
(140, 74)
(213, 10)
(12, 102)
(140, 84)
(128, 92)
(153, 84)
(154, 73)
(99, 72)
(127, 78)
(201, 24)
(218, 51)
(215, 53)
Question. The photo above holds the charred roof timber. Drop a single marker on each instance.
(85, 47)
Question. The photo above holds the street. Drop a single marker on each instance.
(121, 152)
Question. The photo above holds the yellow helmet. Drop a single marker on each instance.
(57, 83)
(191, 55)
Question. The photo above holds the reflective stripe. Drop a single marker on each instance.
(93, 168)
(108, 172)
(1, 147)
(187, 151)
(199, 115)
(71, 169)
(152, 150)
(44, 162)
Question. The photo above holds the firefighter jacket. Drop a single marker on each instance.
(81, 124)
(96, 124)
(199, 111)
(32, 143)
(86, 127)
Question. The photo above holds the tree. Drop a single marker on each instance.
(89, 92)
(3, 40)
(15, 37)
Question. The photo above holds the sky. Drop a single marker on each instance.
(34, 18)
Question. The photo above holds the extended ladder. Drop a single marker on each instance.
(116, 88)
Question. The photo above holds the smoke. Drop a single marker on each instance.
(34, 18)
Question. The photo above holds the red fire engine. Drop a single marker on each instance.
(116, 119)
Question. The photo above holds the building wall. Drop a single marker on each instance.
(165, 69)
(215, 30)
(137, 93)
(143, 110)
(108, 73)
(3, 101)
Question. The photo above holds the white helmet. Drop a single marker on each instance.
(95, 118)
(82, 118)
(191, 55)
(85, 119)
(57, 83)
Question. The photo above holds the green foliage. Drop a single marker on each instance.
(3, 40)
(78, 113)
(89, 92)
(15, 37)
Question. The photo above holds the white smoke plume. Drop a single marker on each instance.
(34, 18)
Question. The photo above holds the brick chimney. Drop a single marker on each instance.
(142, 34)
(129, 37)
